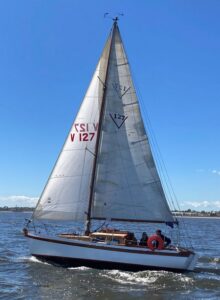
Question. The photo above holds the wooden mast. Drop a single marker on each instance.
(92, 185)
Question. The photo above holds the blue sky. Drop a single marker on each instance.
(48, 52)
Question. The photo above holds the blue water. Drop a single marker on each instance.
(24, 277)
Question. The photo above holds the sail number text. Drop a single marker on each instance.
(84, 132)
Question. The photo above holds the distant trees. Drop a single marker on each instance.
(194, 213)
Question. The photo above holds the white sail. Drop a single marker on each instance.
(127, 185)
(66, 193)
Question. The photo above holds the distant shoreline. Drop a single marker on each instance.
(199, 217)
(197, 214)
(16, 209)
(177, 214)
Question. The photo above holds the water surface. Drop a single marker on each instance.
(24, 277)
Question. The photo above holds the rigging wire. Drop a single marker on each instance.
(169, 190)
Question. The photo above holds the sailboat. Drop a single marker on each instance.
(106, 172)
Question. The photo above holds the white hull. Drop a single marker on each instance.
(101, 255)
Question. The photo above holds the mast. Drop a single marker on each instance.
(101, 115)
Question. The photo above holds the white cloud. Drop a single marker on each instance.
(217, 204)
(201, 205)
(216, 172)
(14, 200)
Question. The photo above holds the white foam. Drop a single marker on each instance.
(144, 277)
(79, 268)
(141, 278)
(35, 260)
(22, 258)
(185, 279)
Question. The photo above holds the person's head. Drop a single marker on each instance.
(144, 234)
(158, 232)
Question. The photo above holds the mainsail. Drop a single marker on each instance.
(126, 185)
